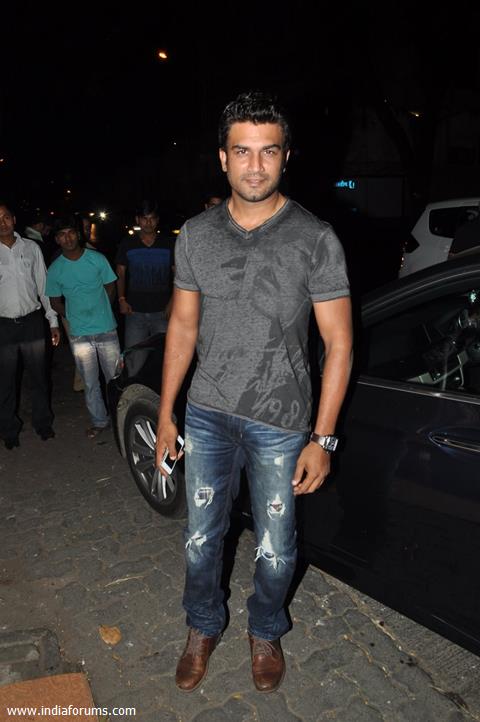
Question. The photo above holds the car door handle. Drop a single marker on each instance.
(462, 444)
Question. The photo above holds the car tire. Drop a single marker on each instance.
(165, 494)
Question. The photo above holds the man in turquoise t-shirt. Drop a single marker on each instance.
(86, 282)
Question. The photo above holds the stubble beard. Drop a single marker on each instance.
(256, 195)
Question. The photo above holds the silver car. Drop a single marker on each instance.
(434, 232)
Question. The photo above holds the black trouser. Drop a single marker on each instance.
(25, 336)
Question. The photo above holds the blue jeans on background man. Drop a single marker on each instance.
(217, 445)
(89, 352)
(138, 327)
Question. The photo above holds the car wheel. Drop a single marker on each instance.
(166, 494)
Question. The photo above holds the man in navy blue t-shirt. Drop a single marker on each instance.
(144, 269)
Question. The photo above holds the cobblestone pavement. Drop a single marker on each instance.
(80, 548)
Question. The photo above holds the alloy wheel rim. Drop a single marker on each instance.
(160, 487)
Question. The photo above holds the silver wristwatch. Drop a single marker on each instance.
(329, 443)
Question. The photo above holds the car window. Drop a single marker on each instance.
(434, 344)
(445, 221)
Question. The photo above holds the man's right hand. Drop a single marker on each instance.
(166, 439)
(124, 306)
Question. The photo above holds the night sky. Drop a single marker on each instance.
(87, 105)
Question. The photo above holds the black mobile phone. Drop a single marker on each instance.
(169, 464)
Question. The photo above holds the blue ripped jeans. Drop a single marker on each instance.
(217, 445)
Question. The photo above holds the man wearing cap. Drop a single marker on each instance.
(22, 329)
(81, 286)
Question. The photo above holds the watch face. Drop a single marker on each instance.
(330, 443)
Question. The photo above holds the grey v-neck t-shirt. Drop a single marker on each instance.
(256, 289)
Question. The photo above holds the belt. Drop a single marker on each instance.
(18, 319)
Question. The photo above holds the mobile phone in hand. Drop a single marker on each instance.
(169, 464)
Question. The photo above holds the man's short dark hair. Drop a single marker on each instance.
(34, 217)
(147, 208)
(253, 107)
(65, 222)
(6, 204)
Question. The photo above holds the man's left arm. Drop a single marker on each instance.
(334, 320)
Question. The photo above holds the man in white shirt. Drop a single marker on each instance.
(22, 293)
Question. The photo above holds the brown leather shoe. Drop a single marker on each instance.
(192, 666)
(268, 664)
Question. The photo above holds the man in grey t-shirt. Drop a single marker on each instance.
(247, 275)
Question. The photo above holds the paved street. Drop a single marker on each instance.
(79, 548)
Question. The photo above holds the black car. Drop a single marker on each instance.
(399, 517)
(133, 400)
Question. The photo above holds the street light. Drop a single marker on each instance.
(162, 54)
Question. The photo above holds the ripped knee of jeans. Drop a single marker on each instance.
(194, 544)
(265, 551)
